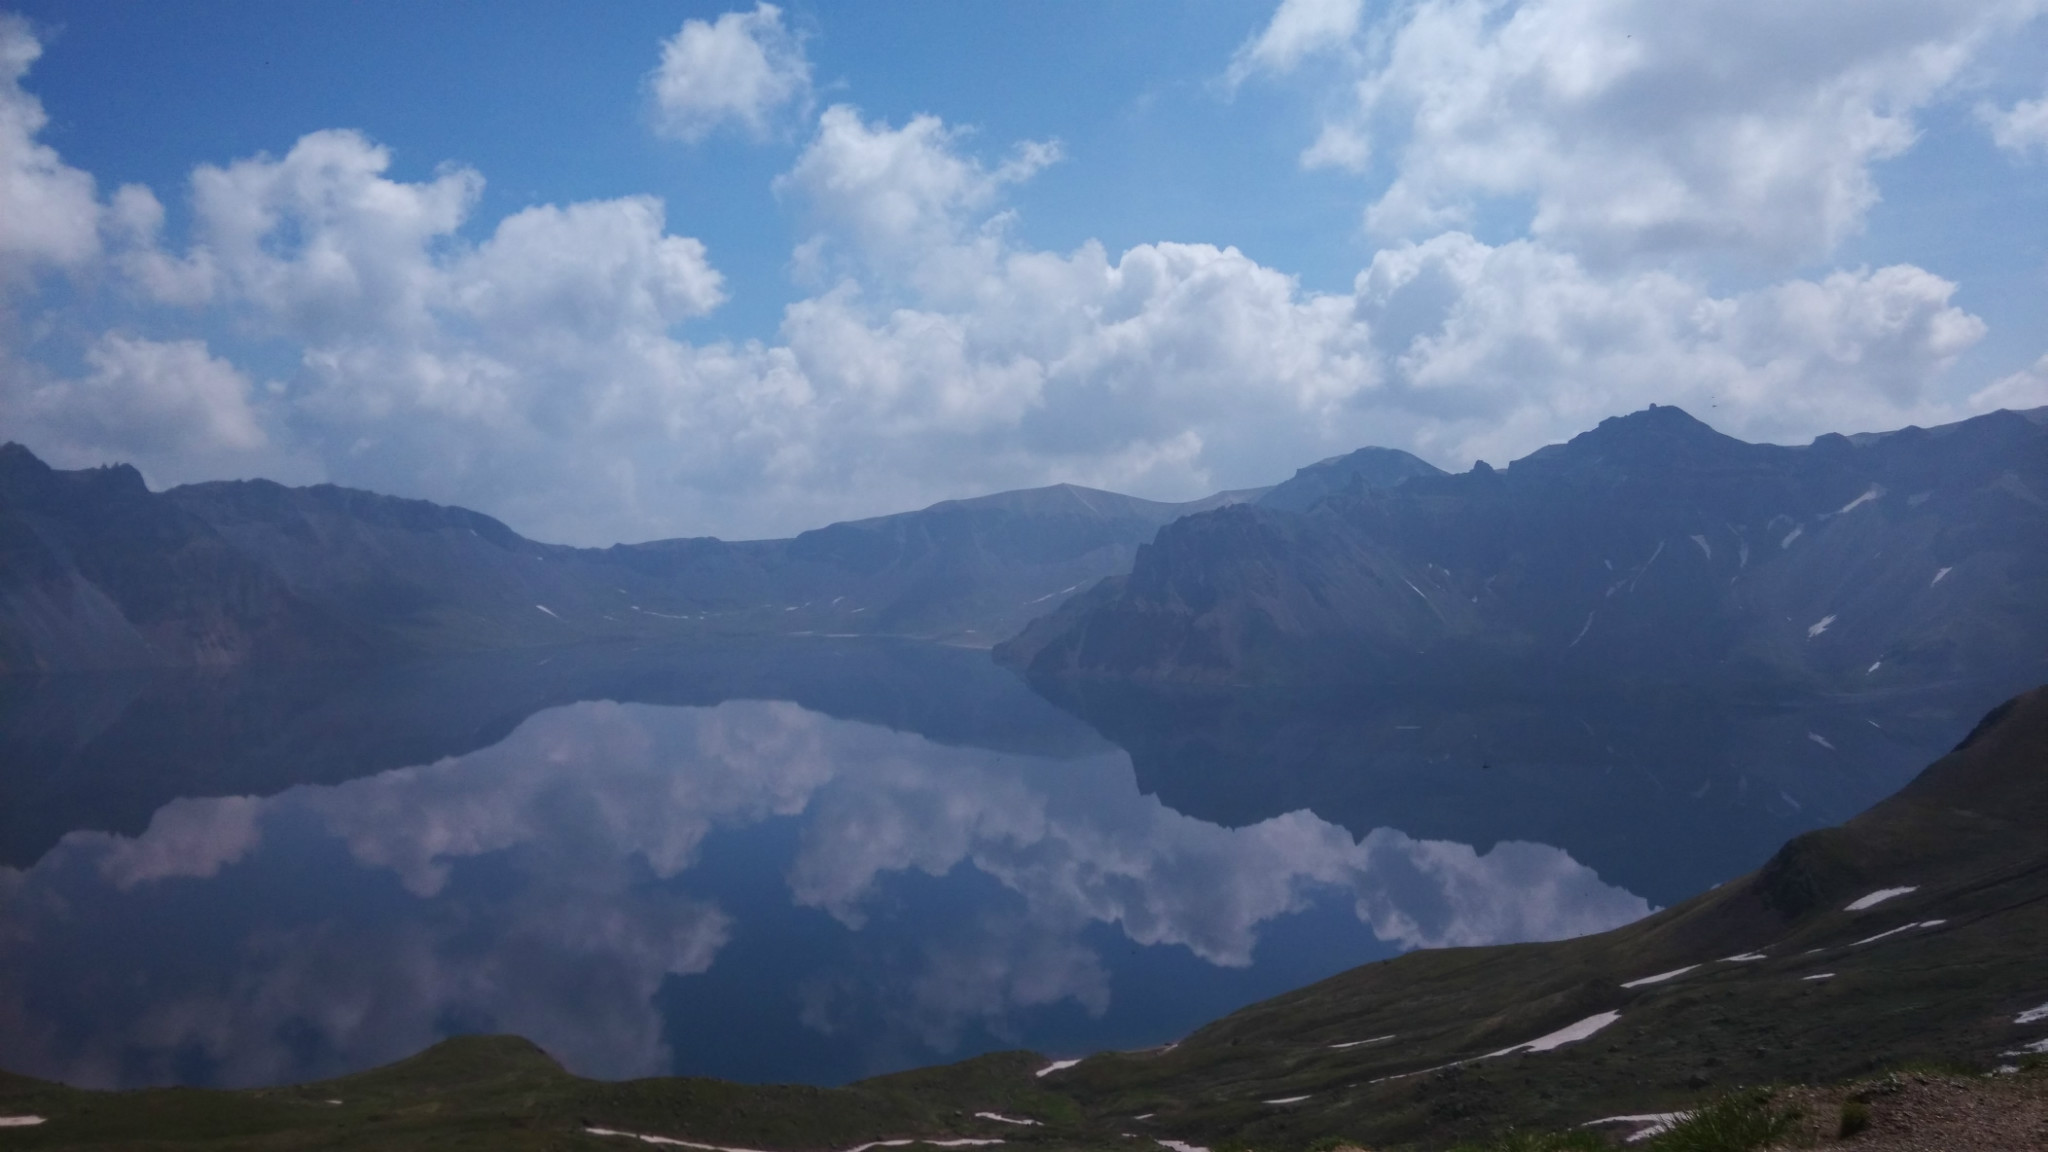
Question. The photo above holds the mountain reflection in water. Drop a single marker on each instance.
(751, 888)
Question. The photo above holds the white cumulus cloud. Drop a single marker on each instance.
(2021, 129)
(905, 201)
(170, 407)
(1505, 345)
(541, 367)
(742, 69)
(2027, 388)
(49, 211)
(1634, 129)
(1299, 29)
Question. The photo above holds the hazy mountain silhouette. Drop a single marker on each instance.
(98, 572)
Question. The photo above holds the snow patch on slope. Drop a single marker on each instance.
(1878, 897)
(1569, 1034)
(1660, 977)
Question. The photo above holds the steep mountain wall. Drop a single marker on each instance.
(1651, 548)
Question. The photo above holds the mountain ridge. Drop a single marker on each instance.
(98, 572)
(1651, 545)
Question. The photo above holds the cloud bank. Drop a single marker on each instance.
(542, 367)
(1635, 131)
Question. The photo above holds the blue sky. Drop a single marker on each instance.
(674, 269)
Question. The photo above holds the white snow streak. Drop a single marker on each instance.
(1569, 1034)
(1660, 977)
(1745, 958)
(1873, 494)
(1878, 897)
(1822, 626)
(1939, 575)
(1002, 1119)
(1287, 1100)
(1047, 596)
(1821, 740)
(1706, 549)
(1356, 1043)
(1819, 976)
(21, 1121)
(961, 1142)
(1566, 1035)
(548, 610)
(1652, 1123)
(1055, 1066)
(1896, 931)
(1791, 536)
(2031, 1015)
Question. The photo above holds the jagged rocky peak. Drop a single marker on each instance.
(19, 466)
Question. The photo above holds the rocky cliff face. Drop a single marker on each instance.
(96, 570)
(1651, 548)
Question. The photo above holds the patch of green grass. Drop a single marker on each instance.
(1738, 1122)
(1855, 1118)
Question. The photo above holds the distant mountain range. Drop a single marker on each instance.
(98, 572)
(1649, 550)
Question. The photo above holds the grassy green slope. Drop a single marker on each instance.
(501, 1092)
(1970, 835)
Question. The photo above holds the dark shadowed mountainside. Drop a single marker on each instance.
(98, 572)
(1911, 933)
(1650, 549)
(1660, 648)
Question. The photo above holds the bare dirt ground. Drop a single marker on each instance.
(1916, 1112)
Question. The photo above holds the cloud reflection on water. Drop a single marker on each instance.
(545, 886)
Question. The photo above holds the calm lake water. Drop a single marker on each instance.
(769, 860)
